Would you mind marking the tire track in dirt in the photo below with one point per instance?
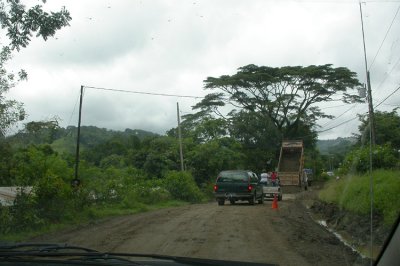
(286, 236)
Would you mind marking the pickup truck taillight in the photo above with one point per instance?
(250, 188)
(215, 188)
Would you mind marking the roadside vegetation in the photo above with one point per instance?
(134, 170)
(53, 203)
(352, 193)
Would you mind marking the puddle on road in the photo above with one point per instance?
(341, 238)
(288, 196)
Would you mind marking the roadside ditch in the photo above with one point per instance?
(350, 228)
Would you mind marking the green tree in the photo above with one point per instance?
(201, 127)
(259, 139)
(206, 160)
(162, 155)
(31, 164)
(284, 95)
(387, 127)
(19, 23)
(383, 157)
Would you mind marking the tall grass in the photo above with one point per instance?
(352, 193)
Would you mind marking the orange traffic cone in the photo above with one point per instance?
(275, 202)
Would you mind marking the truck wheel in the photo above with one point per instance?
(221, 202)
(261, 200)
(253, 199)
(232, 201)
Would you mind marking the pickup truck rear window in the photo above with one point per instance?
(232, 177)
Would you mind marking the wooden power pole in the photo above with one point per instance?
(180, 137)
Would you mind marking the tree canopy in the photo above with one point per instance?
(287, 95)
(387, 127)
(19, 23)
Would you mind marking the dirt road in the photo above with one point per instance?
(286, 236)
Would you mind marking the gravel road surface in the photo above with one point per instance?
(285, 236)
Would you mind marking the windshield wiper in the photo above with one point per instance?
(41, 247)
(58, 254)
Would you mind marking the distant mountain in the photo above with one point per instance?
(64, 139)
(339, 145)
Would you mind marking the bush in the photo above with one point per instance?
(5, 220)
(23, 213)
(53, 198)
(208, 189)
(146, 192)
(182, 186)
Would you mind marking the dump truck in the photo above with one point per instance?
(290, 165)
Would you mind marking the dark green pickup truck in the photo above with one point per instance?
(234, 185)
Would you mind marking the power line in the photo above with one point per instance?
(334, 106)
(395, 105)
(338, 125)
(147, 93)
(387, 32)
(387, 74)
(73, 111)
(354, 105)
(387, 97)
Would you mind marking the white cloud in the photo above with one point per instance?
(172, 46)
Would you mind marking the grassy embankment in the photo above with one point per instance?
(90, 214)
(352, 193)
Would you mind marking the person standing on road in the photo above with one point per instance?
(273, 178)
(264, 177)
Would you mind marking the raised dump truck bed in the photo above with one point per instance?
(290, 166)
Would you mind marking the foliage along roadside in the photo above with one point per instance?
(352, 193)
(54, 202)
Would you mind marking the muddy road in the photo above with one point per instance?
(284, 236)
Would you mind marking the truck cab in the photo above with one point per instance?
(235, 185)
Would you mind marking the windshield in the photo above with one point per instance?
(255, 131)
(233, 177)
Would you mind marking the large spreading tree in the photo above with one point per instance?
(285, 96)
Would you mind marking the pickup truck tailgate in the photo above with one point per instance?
(270, 190)
(232, 187)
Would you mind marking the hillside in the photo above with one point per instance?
(335, 146)
(63, 140)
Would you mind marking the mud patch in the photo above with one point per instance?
(353, 228)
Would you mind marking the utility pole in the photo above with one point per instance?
(369, 93)
(179, 136)
(76, 181)
(371, 143)
(370, 110)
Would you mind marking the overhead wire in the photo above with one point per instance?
(395, 105)
(387, 74)
(146, 93)
(334, 106)
(73, 110)
(384, 39)
(387, 97)
(338, 125)
(354, 105)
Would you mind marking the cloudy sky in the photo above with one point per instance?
(171, 46)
